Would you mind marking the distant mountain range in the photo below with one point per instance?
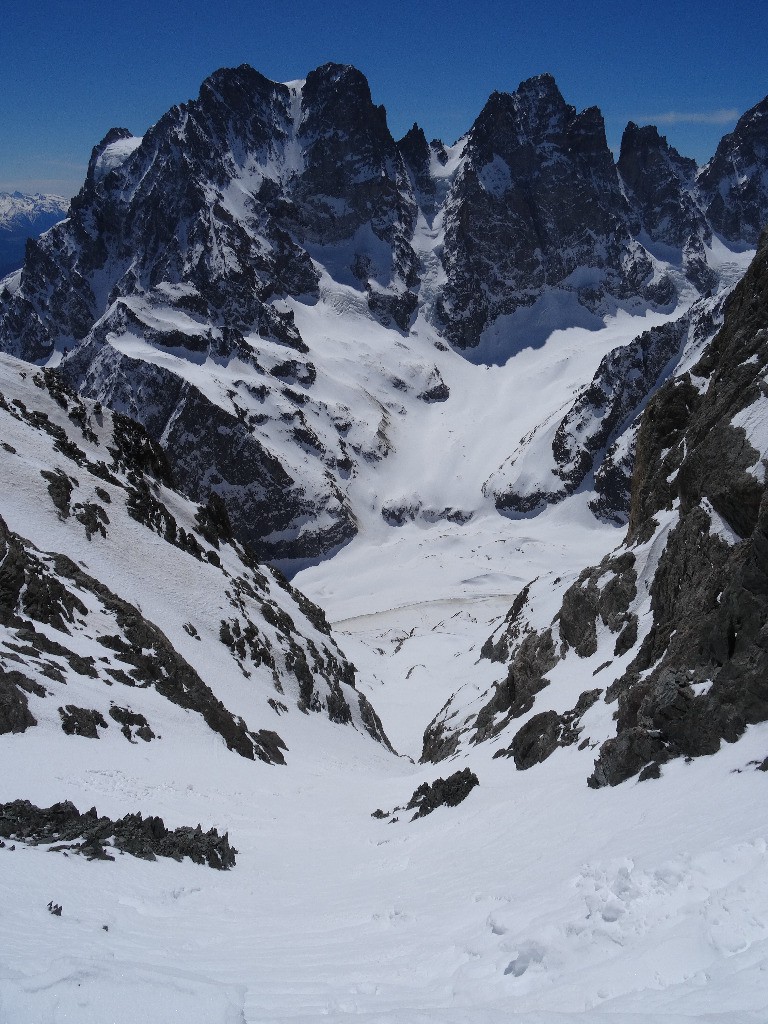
(22, 217)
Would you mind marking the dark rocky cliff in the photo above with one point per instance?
(537, 204)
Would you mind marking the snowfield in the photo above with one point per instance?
(537, 899)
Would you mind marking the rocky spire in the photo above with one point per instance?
(734, 184)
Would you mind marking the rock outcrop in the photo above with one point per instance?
(63, 828)
(699, 675)
(78, 653)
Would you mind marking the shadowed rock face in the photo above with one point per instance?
(661, 187)
(417, 155)
(734, 184)
(537, 199)
(597, 432)
(660, 180)
(211, 216)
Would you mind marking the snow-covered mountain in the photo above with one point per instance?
(248, 230)
(497, 408)
(25, 216)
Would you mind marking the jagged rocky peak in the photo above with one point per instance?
(661, 188)
(734, 184)
(515, 126)
(538, 204)
(536, 110)
(354, 188)
(241, 91)
(339, 95)
(417, 154)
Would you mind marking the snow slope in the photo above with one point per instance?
(536, 899)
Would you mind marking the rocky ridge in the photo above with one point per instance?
(678, 611)
(594, 441)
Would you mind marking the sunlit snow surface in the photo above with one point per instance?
(536, 900)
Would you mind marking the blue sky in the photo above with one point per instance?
(71, 69)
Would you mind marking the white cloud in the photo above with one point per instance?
(726, 115)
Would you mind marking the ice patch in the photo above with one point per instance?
(495, 177)
(114, 155)
(718, 526)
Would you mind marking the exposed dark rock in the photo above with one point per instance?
(93, 517)
(661, 188)
(416, 152)
(498, 650)
(372, 722)
(538, 199)
(81, 721)
(28, 588)
(592, 596)
(60, 488)
(734, 184)
(613, 480)
(439, 741)
(31, 589)
(437, 390)
(536, 740)
(448, 792)
(700, 674)
(607, 408)
(350, 155)
(545, 732)
(133, 724)
(514, 695)
(621, 758)
(651, 771)
(205, 442)
(600, 594)
(15, 715)
(133, 450)
(147, 838)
